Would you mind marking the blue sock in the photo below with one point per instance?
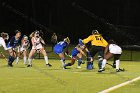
(11, 59)
(79, 61)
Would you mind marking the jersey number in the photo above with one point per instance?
(98, 37)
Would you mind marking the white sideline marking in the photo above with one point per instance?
(119, 85)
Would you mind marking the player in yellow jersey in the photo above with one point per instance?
(98, 44)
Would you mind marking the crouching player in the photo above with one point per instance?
(23, 49)
(77, 52)
(112, 50)
(60, 49)
(14, 43)
(37, 42)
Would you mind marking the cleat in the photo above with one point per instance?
(114, 65)
(100, 70)
(103, 69)
(48, 65)
(78, 67)
(64, 67)
(118, 70)
(29, 65)
(10, 65)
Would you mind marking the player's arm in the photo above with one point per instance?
(81, 51)
(4, 45)
(32, 40)
(42, 41)
(90, 38)
(105, 43)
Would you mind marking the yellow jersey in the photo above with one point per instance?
(96, 40)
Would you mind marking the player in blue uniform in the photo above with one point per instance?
(77, 52)
(60, 49)
(14, 42)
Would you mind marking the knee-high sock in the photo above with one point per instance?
(30, 61)
(117, 64)
(24, 59)
(79, 61)
(100, 62)
(17, 60)
(46, 59)
(104, 63)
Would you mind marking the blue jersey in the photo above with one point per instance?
(59, 47)
(14, 42)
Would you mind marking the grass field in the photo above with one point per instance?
(40, 79)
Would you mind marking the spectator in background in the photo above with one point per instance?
(54, 40)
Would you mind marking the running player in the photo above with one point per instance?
(112, 50)
(23, 49)
(14, 43)
(77, 52)
(37, 42)
(60, 49)
(98, 44)
(4, 36)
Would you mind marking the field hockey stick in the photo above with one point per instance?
(121, 69)
(3, 56)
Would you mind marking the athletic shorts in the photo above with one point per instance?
(22, 49)
(97, 49)
(37, 47)
(74, 52)
(57, 50)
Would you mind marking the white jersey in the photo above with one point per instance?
(2, 43)
(115, 49)
(37, 43)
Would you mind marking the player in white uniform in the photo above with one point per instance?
(23, 48)
(37, 42)
(112, 50)
(4, 36)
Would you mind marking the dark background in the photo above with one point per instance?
(115, 19)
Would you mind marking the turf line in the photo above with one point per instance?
(120, 85)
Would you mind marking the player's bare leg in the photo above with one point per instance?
(106, 57)
(25, 56)
(45, 57)
(30, 57)
(70, 63)
(17, 58)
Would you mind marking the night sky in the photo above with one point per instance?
(115, 19)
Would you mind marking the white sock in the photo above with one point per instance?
(17, 59)
(63, 62)
(46, 59)
(25, 58)
(104, 63)
(117, 64)
(30, 61)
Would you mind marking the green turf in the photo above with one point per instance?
(40, 79)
